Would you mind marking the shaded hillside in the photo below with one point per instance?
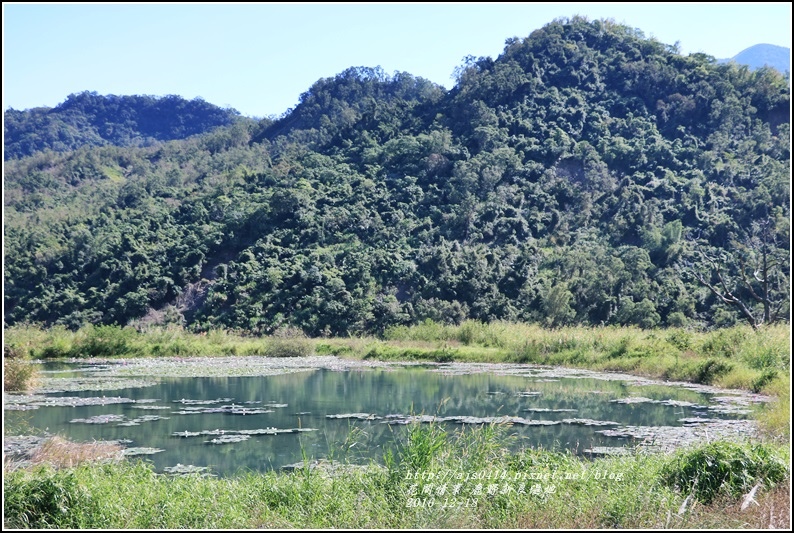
(587, 175)
(89, 119)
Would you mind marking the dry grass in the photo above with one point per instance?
(771, 510)
(62, 453)
(19, 375)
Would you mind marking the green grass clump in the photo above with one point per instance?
(46, 498)
(723, 468)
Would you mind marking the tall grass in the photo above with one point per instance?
(114, 341)
(738, 357)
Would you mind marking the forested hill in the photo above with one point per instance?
(587, 175)
(89, 119)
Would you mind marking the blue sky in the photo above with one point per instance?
(259, 58)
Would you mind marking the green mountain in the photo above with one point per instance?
(587, 175)
(89, 119)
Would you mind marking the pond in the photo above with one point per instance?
(261, 414)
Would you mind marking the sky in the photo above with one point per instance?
(259, 58)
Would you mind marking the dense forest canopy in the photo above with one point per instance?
(588, 175)
(89, 119)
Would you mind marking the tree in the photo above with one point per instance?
(749, 275)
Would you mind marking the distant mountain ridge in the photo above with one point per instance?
(88, 118)
(759, 55)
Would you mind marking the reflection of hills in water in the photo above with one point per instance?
(269, 421)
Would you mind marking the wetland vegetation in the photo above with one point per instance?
(400, 485)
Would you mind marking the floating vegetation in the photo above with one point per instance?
(528, 394)
(99, 419)
(545, 410)
(669, 438)
(183, 470)
(427, 419)
(128, 452)
(145, 418)
(224, 409)
(121, 419)
(72, 384)
(736, 405)
(359, 416)
(185, 434)
(697, 420)
(499, 420)
(326, 466)
(38, 400)
(588, 422)
(408, 419)
(632, 400)
(228, 439)
(245, 432)
(188, 367)
(203, 402)
(245, 411)
(20, 407)
(605, 451)
(639, 399)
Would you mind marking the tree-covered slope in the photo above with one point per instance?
(89, 119)
(587, 175)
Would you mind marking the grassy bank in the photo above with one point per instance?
(738, 357)
(430, 480)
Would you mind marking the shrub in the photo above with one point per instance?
(18, 373)
(710, 369)
(106, 341)
(723, 467)
(288, 342)
(45, 498)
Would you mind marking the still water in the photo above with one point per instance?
(224, 406)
